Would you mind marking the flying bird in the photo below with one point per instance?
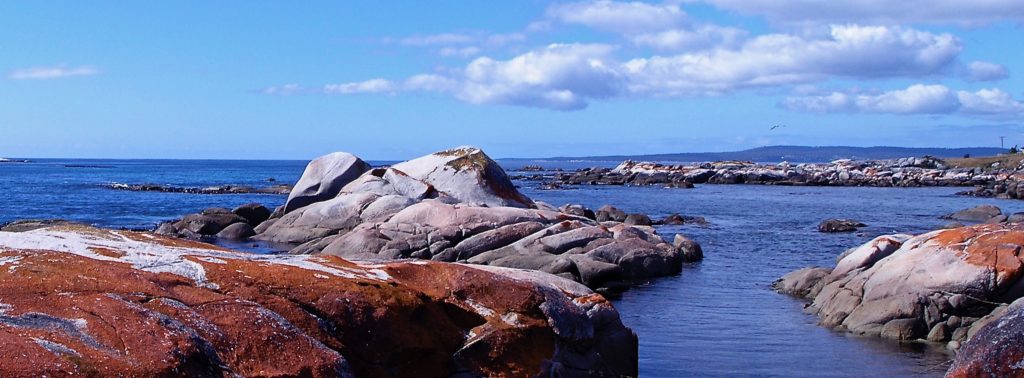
(777, 126)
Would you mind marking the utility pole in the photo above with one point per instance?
(1001, 139)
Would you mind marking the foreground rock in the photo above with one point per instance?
(459, 205)
(941, 286)
(221, 189)
(996, 350)
(76, 300)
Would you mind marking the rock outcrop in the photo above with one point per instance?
(839, 225)
(907, 172)
(938, 286)
(76, 300)
(459, 205)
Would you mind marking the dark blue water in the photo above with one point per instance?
(718, 318)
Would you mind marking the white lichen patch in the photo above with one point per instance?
(511, 319)
(56, 348)
(479, 308)
(152, 256)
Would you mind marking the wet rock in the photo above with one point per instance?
(1015, 218)
(209, 223)
(673, 219)
(975, 214)
(690, 250)
(610, 213)
(185, 308)
(236, 231)
(839, 225)
(323, 179)
(637, 220)
(253, 213)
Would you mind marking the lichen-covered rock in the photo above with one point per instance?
(459, 206)
(76, 300)
(902, 287)
(323, 178)
(996, 349)
(466, 174)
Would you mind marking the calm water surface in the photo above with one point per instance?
(718, 318)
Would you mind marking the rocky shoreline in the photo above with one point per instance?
(908, 172)
(220, 189)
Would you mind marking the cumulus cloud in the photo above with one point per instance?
(620, 17)
(569, 76)
(984, 71)
(777, 59)
(916, 99)
(879, 11)
(52, 72)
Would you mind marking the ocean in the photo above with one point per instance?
(719, 317)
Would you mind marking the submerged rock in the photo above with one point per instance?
(85, 301)
(903, 287)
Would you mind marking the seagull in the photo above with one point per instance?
(777, 126)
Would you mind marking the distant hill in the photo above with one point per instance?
(801, 154)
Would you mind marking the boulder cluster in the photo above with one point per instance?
(906, 172)
(237, 224)
(942, 286)
(456, 205)
(81, 301)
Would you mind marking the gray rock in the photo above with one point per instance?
(323, 179)
(975, 214)
(1015, 218)
(253, 213)
(691, 251)
(610, 213)
(839, 225)
(637, 220)
(207, 224)
(237, 231)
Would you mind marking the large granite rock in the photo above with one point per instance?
(458, 205)
(466, 174)
(323, 178)
(936, 285)
(76, 300)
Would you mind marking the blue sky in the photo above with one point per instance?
(275, 80)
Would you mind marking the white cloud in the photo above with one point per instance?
(699, 37)
(569, 76)
(916, 99)
(973, 12)
(283, 90)
(53, 72)
(985, 71)
(368, 86)
(444, 39)
(463, 52)
(776, 59)
(990, 101)
(620, 17)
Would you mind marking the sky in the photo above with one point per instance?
(395, 80)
